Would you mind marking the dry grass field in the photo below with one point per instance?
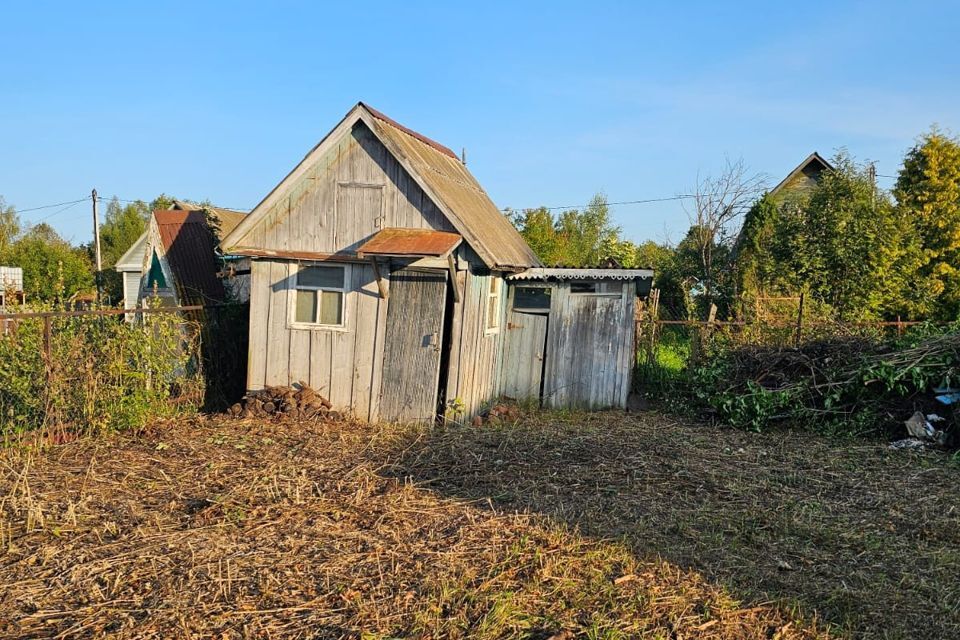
(559, 526)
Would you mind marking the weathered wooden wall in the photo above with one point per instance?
(589, 349)
(476, 354)
(354, 190)
(342, 364)
(524, 352)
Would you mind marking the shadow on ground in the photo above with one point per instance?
(857, 535)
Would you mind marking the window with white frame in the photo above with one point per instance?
(318, 295)
(493, 304)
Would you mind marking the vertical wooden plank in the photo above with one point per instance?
(367, 296)
(278, 335)
(259, 313)
(320, 347)
(376, 382)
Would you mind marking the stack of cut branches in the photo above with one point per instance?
(298, 401)
(878, 382)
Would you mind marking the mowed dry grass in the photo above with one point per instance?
(862, 537)
(211, 528)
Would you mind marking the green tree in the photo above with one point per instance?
(10, 227)
(846, 244)
(574, 238)
(928, 192)
(52, 269)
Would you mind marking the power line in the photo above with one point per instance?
(684, 196)
(51, 206)
(59, 211)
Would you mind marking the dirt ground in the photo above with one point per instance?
(559, 526)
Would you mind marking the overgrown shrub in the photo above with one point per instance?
(96, 373)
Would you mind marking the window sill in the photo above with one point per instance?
(306, 326)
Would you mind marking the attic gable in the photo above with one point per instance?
(421, 185)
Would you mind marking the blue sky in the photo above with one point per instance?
(553, 101)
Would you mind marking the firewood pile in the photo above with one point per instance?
(298, 402)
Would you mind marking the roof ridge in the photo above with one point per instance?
(379, 115)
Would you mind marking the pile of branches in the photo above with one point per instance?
(778, 368)
(869, 385)
(298, 402)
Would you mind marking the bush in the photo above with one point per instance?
(91, 374)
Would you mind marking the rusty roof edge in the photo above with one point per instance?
(419, 136)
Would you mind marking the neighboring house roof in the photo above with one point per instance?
(189, 246)
(811, 167)
(225, 220)
(132, 259)
(574, 273)
(410, 242)
(437, 171)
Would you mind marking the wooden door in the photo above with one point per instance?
(524, 353)
(412, 345)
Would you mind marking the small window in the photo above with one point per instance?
(531, 299)
(318, 296)
(493, 304)
(596, 288)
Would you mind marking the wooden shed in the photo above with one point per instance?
(570, 335)
(378, 275)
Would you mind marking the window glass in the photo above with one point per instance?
(306, 310)
(331, 307)
(320, 277)
(583, 287)
(319, 295)
(155, 278)
(531, 298)
(493, 303)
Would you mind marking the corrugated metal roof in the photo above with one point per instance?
(189, 246)
(460, 196)
(572, 273)
(410, 242)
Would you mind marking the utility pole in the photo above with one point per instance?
(96, 247)
(872, 173)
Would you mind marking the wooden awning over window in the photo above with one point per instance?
(410, 243)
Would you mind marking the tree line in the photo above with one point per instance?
(855, 251)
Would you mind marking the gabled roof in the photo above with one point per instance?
(132, 259)
(189, 246)
(437, 171)
(814, 163)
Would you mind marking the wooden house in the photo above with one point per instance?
(180, 263)
(379, 269)
(803, 179)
